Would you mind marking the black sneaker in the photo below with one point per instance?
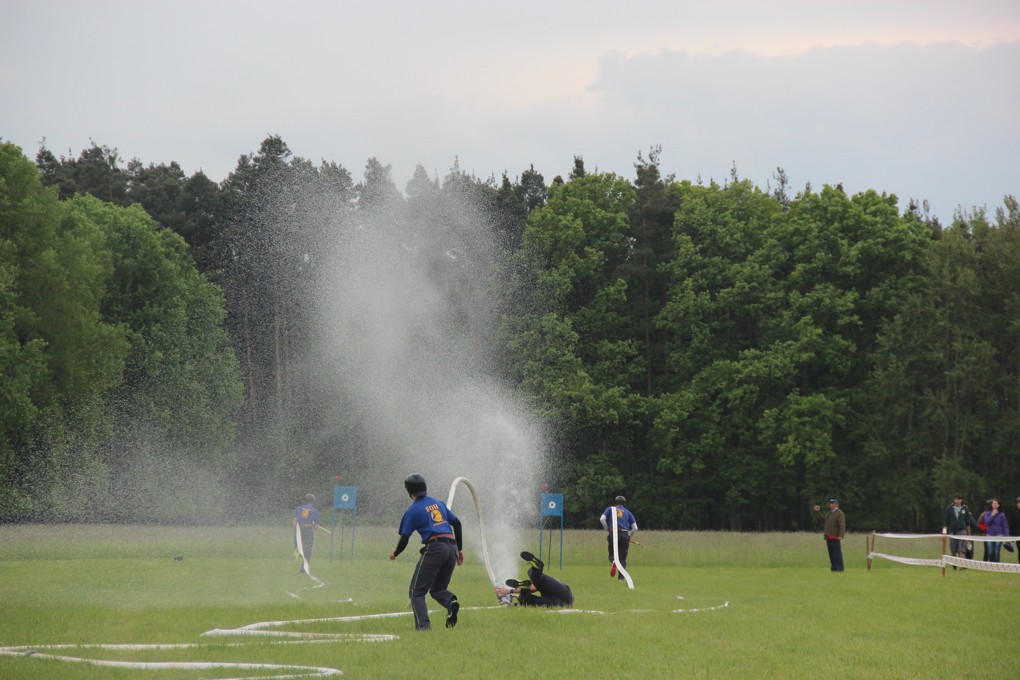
(514, 583)
(532, 560)
(451, 614)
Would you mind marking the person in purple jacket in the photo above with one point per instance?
(997, 525)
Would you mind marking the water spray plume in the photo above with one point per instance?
(408, 328)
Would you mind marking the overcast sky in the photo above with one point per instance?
(913, 97)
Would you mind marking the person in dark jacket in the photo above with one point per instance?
(957, 520)
(1013, 516)
(834, 530)
(540, 590)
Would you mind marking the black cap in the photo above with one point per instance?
(620, 500)
(834, 500)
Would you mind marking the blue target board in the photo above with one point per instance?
(345, 497)
(552, 505)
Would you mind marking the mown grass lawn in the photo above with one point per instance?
(756, 606)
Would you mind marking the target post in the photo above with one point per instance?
(552, 507)
(345, 500)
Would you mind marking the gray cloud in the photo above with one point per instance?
(502, 90)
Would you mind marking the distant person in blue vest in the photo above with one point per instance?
(440, 532)
(834, 530)
(540, 590)
(306, 517)
(626, 527)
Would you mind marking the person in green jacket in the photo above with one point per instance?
(958, 521)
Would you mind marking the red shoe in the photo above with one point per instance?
(612, 570)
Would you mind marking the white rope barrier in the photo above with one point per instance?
(976, 539)
(980, 565)
(908, 560)
(945, 559)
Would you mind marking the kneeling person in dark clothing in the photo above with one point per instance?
(540, 590)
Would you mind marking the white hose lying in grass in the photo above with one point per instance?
(290, 671)
(252, 630)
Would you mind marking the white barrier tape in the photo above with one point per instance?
(980, 565)
(954, 561)
(979, 539)
(907, 560)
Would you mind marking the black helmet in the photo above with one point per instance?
(415, 484)
(619, 500)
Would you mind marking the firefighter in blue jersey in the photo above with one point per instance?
(440, 532)
(307, 518)
(626, 527)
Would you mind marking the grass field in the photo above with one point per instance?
(788, 616)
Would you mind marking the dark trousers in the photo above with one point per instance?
(624, 547)
(432, 575)
(835, 553)
(551, 592)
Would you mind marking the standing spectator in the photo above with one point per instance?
(306, 518)
(834, 530)
(626, 527)
(958, 520)
(1013, 517)
(997, 525)
(440, 532)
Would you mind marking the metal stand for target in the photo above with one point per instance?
(345, 498)
(552, 506)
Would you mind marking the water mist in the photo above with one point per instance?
(408, 320)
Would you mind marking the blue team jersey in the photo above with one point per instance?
(624, 517)
(428, 517)
(306, 515)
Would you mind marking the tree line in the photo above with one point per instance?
(725, 355)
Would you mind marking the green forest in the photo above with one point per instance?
(726, 354)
